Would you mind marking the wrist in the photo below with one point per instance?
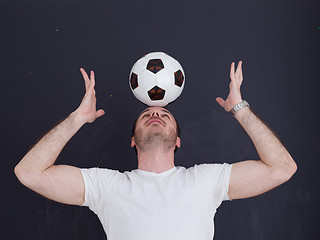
(78, 118)
(242, 113)
(238, 107)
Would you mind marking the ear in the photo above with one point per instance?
(132, 142)
(178, 142)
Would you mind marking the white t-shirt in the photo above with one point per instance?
(178, 204)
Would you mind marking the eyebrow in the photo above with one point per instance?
(163, 109)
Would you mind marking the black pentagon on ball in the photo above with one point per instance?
(178, 77)
(134, 81)
(155, 65)
(156, 93)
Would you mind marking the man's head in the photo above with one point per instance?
(155, 128)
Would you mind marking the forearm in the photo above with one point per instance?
(46, 151)
(268, 146)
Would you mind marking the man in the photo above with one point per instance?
(158, 200)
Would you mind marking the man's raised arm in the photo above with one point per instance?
(37, 171)
(253, 177)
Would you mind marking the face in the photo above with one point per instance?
(155, 128)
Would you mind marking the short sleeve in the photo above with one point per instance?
(97, 182)
(219, 174)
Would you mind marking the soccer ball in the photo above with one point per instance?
(157, 79)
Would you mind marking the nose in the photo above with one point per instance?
(155, 113)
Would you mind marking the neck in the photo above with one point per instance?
(155, 161)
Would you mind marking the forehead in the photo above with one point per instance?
(160, 109)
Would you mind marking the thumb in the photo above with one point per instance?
(220, 101)
(100, 113)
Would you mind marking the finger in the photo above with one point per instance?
(84, 74)
(93, 82)
(240, 74)
(85, 77)
(232, 71)
(239, 69)
(92, 76)
(220, 101)
(100, 113)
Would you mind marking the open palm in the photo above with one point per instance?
(87, 108)
(234, 96)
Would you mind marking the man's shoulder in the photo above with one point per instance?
(208, 166)
(100, 172)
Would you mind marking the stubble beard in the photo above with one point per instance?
(155, 140)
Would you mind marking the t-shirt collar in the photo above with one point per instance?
(147, 173)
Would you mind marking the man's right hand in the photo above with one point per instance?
(87, 110)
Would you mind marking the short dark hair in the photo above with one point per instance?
(134, 129)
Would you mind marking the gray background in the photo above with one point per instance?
(44, 43)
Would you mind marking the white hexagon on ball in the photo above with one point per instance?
(165, 78)
(146, 80)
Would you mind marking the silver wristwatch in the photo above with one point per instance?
(237, 107)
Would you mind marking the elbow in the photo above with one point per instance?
(289, 170)
(293, 168)
(23, 175)
(18, 171)
(282, 173)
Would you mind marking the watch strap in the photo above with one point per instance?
(237, 107)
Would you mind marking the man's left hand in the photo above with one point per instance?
(234, 93)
